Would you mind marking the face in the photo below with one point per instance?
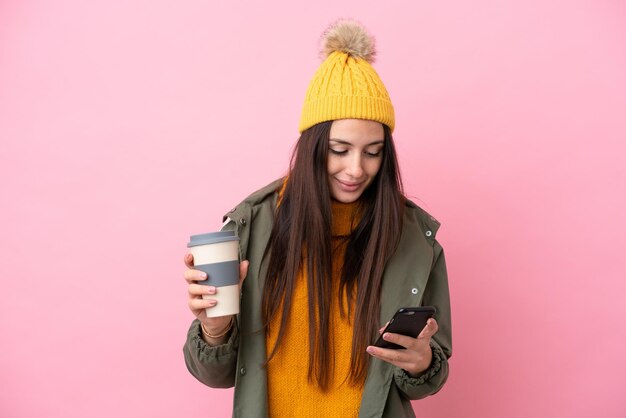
(355, 151)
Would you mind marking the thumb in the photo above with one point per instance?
(243, 271)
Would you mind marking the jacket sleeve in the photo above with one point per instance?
(436, 294)
(213, 366)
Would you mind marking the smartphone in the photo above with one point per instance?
(406, 321)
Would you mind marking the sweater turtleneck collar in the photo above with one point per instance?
(345, 216)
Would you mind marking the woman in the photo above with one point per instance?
(331, 252)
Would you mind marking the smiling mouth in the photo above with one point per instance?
(349, 185)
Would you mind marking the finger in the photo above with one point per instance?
(380, 331)
(402, 340)
(189, 260)
(199, 290)
(429, 330)
(198, 304)
(243, 271)
(389, 355)
(194, 275)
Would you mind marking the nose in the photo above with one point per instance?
(354, 166)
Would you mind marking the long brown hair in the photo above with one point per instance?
(303, 225)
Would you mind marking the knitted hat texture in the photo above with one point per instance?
(346, 86)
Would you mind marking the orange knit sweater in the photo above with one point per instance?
(290, 394)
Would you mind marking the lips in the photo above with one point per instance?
(349, 187)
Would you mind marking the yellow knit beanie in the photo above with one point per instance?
(346, 86)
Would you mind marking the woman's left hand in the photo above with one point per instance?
(416, 355)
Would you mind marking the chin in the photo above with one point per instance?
(345, 197)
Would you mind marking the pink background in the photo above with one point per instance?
(126, 126)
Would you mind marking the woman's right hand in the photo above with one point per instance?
(197, 305)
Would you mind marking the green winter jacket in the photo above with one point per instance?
(414, 276)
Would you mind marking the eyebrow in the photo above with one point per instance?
(341, 141)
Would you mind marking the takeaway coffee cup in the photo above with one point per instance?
(217, 254)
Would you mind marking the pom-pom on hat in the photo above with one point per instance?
(346, 86)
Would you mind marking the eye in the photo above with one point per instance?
(373, 154)
(337, 152)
